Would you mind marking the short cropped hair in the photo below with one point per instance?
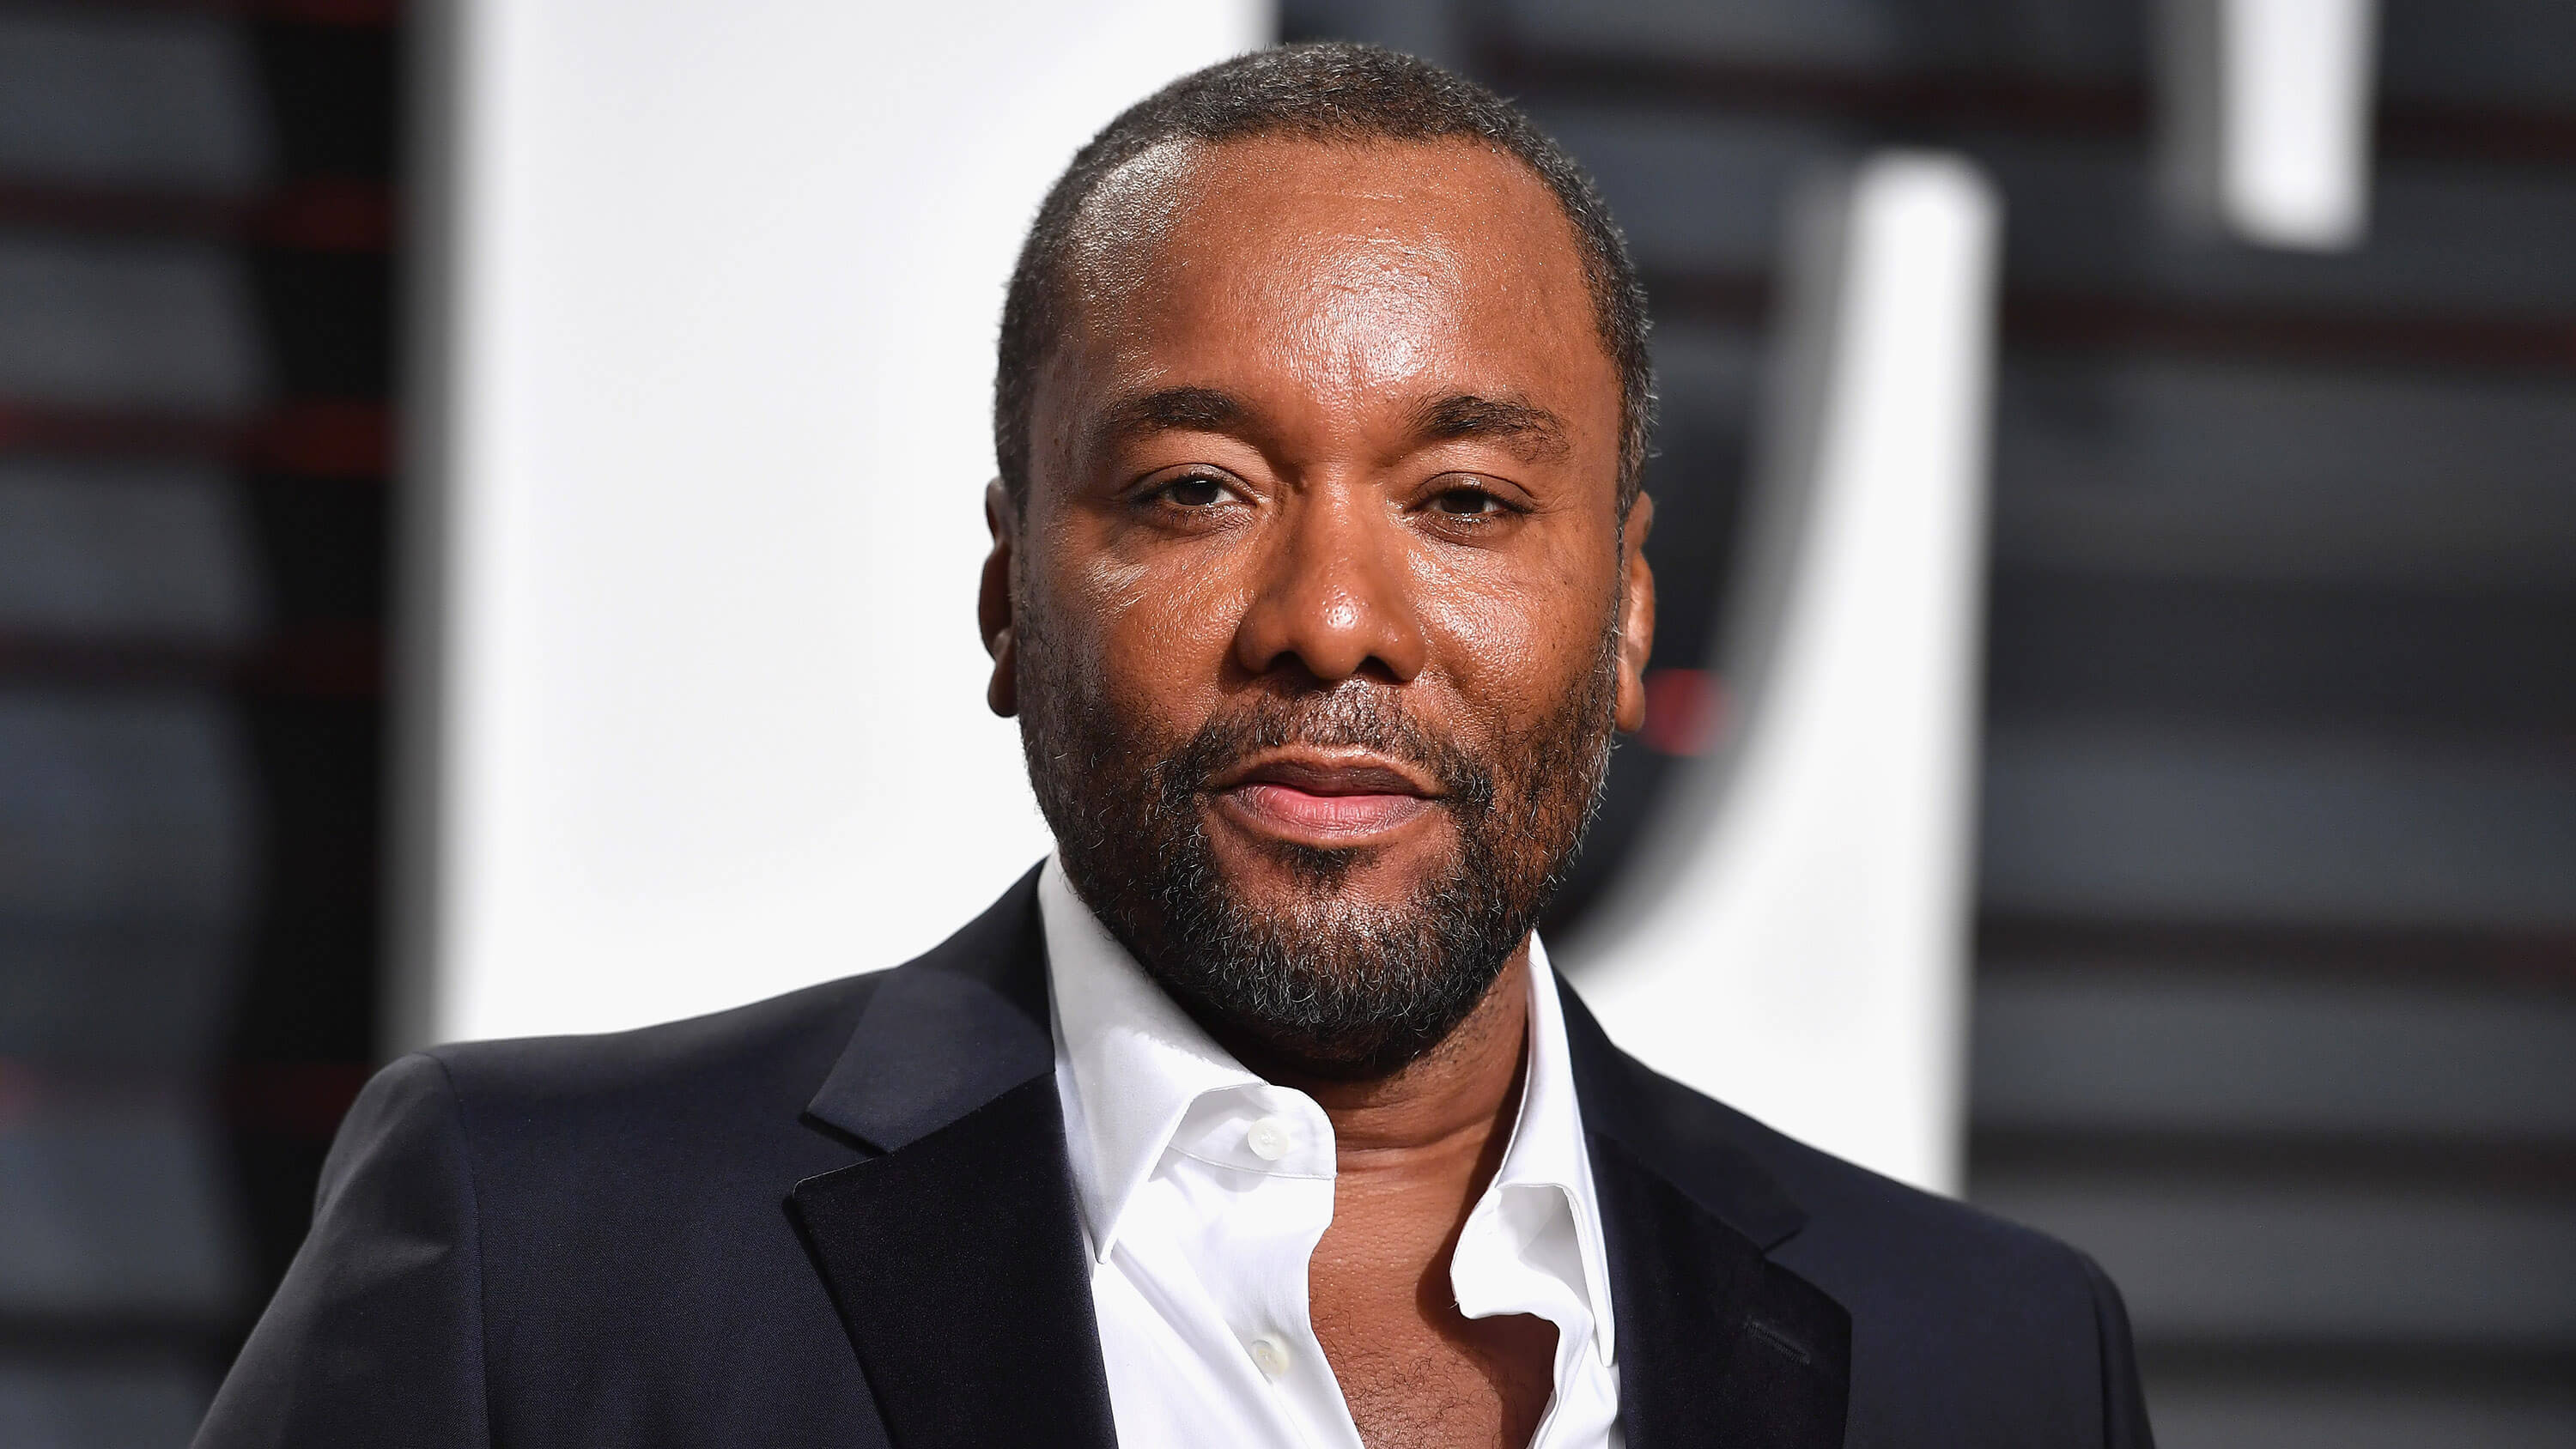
(1327, 92)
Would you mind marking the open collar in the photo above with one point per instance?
(1721, 1344)
(1547, 1149)
(1137, 1064)
(954, 1254)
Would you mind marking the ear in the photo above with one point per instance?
(1636, 613)
(995, 609)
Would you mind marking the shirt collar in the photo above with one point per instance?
(1130, 1064)
(1134, 1061)
(1547, 1150)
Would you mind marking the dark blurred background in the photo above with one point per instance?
(2275, 1006)
(2276, 947)
(197, 211)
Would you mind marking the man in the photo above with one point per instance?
(1256, 1115)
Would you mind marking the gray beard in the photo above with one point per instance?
(1329, 986)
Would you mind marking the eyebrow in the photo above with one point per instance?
(1530, 431)
(1172, 410)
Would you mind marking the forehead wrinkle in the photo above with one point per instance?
(1119, 237)
(1333, 287)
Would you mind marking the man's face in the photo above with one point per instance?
(1319, 609)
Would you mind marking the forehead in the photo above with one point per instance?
(1343, 272)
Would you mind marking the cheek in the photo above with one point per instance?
(1516, 634)
(1150, 636)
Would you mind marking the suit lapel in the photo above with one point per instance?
(955, 1257)
(955, 1254)
(958, 1268)
(1718, 1344)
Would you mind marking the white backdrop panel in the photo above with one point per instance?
(1793, 936)
(701, 443)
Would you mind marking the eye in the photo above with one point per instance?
(1463, 501)
(1194, 490)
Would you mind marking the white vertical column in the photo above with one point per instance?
(2267, 111)
(1792, 936)
(699, 416)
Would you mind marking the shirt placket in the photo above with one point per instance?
(1257, 1270)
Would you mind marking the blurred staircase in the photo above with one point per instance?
(2276, 996)
(196, 222)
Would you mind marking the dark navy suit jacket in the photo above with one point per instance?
(844, 1218)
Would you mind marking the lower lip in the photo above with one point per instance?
(1337, 819)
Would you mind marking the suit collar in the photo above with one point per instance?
(1675, 1133)
(947, 1032)
(958, 1027)
(1135, 1068)
(1721, 1345)
(955, 1257)
(956, 1260)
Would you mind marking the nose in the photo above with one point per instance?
(1333, 598)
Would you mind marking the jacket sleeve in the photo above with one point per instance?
(2124, 1404)
(376, 1335)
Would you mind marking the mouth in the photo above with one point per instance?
(1330, 799)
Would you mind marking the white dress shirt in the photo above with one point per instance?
(1204, 1190)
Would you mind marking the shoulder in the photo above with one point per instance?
(1959, 1317)
(766, 1059)
(714, 1092)
(676, 1142)
(1868, 1230)
(1810, 1205)
(561, 1110)
(1856, 1210)
(722, 1050)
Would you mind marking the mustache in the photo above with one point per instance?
(1349, 717)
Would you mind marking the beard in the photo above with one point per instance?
(1331, 985)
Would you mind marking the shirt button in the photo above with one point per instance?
(1268, 1139)
(1269, 1355)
